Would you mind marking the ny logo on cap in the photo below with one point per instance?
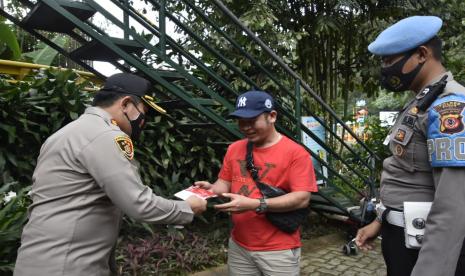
(268, 103)
(241, 102)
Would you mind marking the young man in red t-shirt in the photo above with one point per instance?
(257, 246)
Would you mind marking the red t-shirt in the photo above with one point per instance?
(286, 165)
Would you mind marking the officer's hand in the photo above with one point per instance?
(198, 205)
(238, 203)
(366, 235)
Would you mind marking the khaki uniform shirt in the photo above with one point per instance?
(408, 176)
(85, 178)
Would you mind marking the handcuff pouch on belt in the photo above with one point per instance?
(289, 221)
(415, 214)
(412, 219)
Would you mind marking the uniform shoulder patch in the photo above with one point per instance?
(124, 143)
(446, 135)
(450, 116)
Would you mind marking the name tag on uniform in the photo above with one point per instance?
(386, 140)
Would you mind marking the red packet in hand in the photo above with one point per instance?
(194, 190)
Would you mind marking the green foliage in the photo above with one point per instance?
(13, 214)
(9, 46)
(389, 101)
(452, 13)
(324, 41)
(376, 135)
(171, 251)
(172, 160)
(45, 54)
(30, 112)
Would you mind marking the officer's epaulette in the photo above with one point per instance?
(431, 93)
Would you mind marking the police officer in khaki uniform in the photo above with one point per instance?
(86, 177)
(427, 143)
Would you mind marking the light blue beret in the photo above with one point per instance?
(405, 35)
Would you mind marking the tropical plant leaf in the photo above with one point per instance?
(8, 37)
(46, 54)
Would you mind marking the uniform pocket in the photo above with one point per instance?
(420, 157)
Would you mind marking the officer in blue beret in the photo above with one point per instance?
(422, 197)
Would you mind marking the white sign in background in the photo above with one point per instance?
(316, 128)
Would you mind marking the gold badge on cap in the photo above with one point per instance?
(125, 145)
(150, 101)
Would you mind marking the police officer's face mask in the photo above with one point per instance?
(136, 125)
(392, 77)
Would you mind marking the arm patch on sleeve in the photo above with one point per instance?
(446, 135)
(124, 143)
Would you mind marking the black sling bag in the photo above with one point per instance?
(289, 221)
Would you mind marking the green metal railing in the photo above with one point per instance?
(200, 84)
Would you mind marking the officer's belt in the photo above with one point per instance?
(395, 218)
(390, 216)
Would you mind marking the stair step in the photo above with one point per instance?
(94, 50)
(356, 214)
(344, 202)
(335, 195)
(42, 17)
(328, 209)
(328, 190)
(177, 104)
(207, 102)
(319, 199)
(168, 75)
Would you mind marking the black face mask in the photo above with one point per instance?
(136, 127)
(393, 79)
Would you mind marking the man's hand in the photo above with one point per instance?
(198, 205)
(204, 185)
(366, 235)
(219, 187)
(238, 203)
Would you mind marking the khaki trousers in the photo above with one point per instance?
(242, 262)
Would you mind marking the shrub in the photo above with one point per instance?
(376, 135)
(172, 251)
(13, 214)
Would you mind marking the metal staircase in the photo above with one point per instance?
(197, 97)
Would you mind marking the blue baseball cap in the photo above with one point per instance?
(252, 103)
(405, 35)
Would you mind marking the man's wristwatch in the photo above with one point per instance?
(262, 207)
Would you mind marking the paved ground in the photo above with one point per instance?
(323, 257)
